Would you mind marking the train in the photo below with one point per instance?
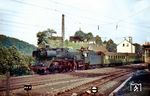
(51, 60)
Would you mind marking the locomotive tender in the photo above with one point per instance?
(63, 60)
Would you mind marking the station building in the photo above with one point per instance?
(126, 46)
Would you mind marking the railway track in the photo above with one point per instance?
(85, 87)
(65, 84)
(37, 80)
(17, 83)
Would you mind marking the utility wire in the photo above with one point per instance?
(121, 20)
(4, 20)
(47, 8)
(56, 10)
(134, 14)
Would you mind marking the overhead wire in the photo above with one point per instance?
(121, 20)
(48, 8)
(10, 21)
(134, 14)
(62, 12)
(78, 9)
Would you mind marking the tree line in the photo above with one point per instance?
(88, 37)
(21, 46)
(110, 44)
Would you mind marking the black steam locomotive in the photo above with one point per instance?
(57, 60)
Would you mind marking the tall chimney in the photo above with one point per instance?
(63, 29)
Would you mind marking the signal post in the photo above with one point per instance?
(147, 54)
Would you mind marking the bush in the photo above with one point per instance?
(15, 62)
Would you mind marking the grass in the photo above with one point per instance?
(2, 77)
(69, 44)
(76, 45)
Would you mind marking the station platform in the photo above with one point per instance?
(136, 85)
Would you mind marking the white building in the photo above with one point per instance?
(126, 46)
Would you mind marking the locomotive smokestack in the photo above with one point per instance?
(63, 29)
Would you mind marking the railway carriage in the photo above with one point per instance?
(93, 59)
(115, 59)
(112, 59)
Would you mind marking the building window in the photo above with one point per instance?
(127, 45)
(123, 45)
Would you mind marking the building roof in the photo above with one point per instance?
(125, 40)
(55, 38)
(110, 53)
(98, 48)
(75, 38)
(92, 39)
(146, 45)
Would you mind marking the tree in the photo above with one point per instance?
(89, 36)
(105, 42)
(111, 46)
(80, 34)
(98, 40)
(138, 49)
(66, 42)
(43, 36)
(4, 56)
(50, 32)
(12, 60)
(12, 63)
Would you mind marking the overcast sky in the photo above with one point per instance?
(116, 18)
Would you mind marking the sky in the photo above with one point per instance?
(116, 19)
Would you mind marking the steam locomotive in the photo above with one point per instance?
(50, 60)
(57, 60)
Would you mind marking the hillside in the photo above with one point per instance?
(22, 46)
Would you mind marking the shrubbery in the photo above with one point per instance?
(13, 61)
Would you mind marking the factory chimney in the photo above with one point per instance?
(63, 29)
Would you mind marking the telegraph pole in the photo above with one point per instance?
(63, 29)
(7, 83)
